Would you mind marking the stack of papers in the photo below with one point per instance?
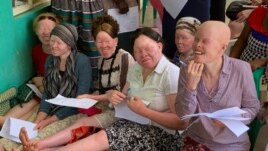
(12, 126)
(84, 103)
(123, 111)
(230, 117)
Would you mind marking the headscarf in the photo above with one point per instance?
(189, 23)
(66, 83)
(67, 33)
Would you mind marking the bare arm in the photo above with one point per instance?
(166, 119)
(241, 43)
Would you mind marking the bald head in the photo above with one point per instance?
(218, 30)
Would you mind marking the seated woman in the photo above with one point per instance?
(42, 26)
(153, 79)
(112, 68)
(184, 39)
(113, 65)
(214, 81)
(67, 72)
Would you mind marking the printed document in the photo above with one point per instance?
(123, 111)
(12, 126)
(84, 103)
(230, 117)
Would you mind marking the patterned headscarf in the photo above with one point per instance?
(54, 82)
(67, 33)
(189, 23)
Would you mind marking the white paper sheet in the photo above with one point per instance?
(230, 117)
(128, 22)
(123, 111)
(35, 90)
(84, 103)
(174, 7)
(12, 126)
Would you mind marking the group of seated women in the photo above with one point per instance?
(206, 81)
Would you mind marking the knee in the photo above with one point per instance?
(102, 139)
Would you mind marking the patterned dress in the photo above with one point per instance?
(109, 78)
(81, 13)
(257, 44)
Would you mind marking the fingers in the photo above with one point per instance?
(200, 69)
(81, 96)
(43, 124)
(193, 74)
(240, 18)
(115, 96)
(37, 126)
(195, 68)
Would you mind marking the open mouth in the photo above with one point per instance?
(198, 53)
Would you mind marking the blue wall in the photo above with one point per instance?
(16, 40)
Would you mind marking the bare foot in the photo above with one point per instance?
(28, 145)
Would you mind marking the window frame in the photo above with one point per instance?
(17, 10)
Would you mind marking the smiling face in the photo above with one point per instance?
(210, 42)
(147, 52)
(43, 30)
(106, 44)
(58, 47)
(184, 40)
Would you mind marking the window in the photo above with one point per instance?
(20, 6)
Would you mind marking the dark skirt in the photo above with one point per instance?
(129, 136)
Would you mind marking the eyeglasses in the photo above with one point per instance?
(47, 17)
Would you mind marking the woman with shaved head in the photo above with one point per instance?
(213, 81)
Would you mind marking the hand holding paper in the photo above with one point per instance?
(230, 117)
(123, 111)
(84, 103)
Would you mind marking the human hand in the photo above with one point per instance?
(115, 97)
(193, 74)
(136, 105)
(41, 89)
(40, 124)
(243, 15)
(256, 63)
(43, 123)
(82, 96)
(38, 81)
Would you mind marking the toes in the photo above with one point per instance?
(23, 136)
